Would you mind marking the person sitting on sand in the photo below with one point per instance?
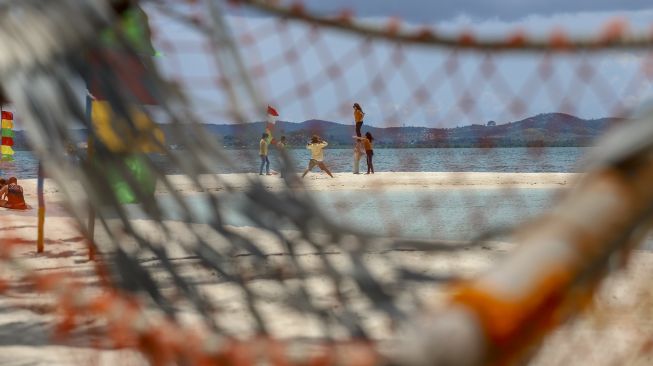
(317, 146)
(3, 183)
(11, 195)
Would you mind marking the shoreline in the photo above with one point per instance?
(319, 181)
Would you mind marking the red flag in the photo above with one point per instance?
(8, 141)
(273, 112)
(7, 115)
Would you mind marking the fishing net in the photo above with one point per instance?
(146, 136)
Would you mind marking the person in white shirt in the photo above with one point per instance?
(359, 151)
(317, 146)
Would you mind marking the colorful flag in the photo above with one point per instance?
(146, 138)
(131, 69)
(7, 133)
(272, 112)
(272, 120)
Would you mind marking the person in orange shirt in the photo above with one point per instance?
(369, 151)
(358, 118)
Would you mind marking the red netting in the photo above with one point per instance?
(473, 138)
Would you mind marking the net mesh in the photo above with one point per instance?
(206, 267)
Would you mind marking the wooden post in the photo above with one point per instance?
(41, 213)
(90, 150)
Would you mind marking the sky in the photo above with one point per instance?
(504, 10)
(308, 73)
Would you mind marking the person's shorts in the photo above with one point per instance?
(313, 163)
(17, 206)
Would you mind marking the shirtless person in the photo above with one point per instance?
(11, 195)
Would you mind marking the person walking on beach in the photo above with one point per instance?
(263, 153)
(317, 146)
(359, 151)
(358, 118)
(369, 151)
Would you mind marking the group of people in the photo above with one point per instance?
(11, 194)
(362, 146)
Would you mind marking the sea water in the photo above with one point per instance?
(519, 159)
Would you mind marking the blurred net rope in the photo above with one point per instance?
(199, 268)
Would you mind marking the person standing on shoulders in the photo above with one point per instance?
(317, 146)
(263, 153)
(358, 118)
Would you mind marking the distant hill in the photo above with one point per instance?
(549, 129)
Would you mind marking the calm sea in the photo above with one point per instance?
(554, 159)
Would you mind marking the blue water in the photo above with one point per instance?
(558, 159)
(23, 166)
(554, 159)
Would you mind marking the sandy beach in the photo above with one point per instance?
(318, 181)
(614, 330)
